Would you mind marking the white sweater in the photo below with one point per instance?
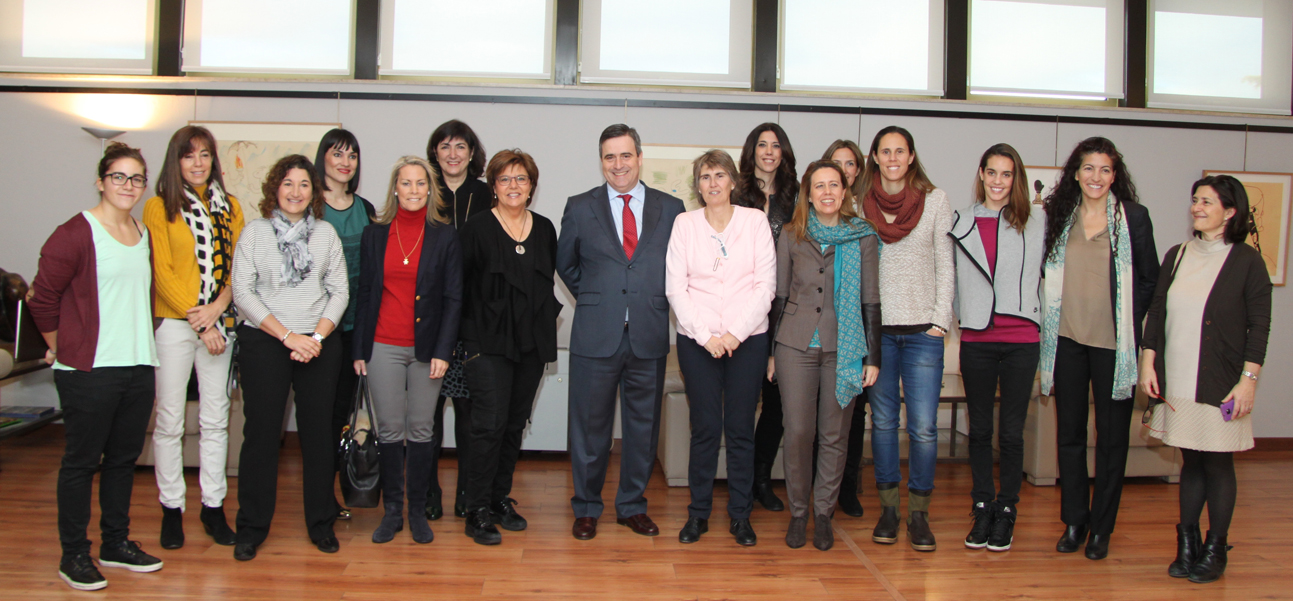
(917, 274)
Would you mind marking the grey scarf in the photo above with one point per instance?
(293, 242)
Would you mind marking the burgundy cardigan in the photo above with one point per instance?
(66, 292)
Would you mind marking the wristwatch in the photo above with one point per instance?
(317, 336)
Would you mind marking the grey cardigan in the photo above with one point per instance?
(1016, 288)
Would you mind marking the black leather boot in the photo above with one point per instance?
(886, 529)
(391, 461)
(419, 478)
(1187, 551)
(848, 499)
(918, 532)
(1212, 560)
(216, 526)
(763, 488)
(172, 527)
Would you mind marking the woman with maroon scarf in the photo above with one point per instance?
(917, 284)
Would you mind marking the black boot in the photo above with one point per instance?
(216, 526)
(391, 462)
(172, 527)
(419, 478)
(1212, 560)
(435, 510)
(918, 532)
(1187, 551)
(849, 503)
(763, 488)
(480, 527)
(886, 529)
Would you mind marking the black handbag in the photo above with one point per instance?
(360, 475)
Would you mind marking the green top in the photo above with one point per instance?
(350, 225)
(125, 282)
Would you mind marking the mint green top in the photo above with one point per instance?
(350, 225)
(125, 281)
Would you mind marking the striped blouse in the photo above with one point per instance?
(259, 292)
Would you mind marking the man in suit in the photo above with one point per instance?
(611, 255)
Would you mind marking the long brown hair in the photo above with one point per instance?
(858, 158)
(278, 173)
(436, 208)
(799, 223)
(171, 184)
(915, 173)
(1018, 207)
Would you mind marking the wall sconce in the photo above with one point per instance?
(103, 135)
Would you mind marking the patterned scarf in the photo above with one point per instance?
(211, 236)
(908, 205)
(1124, 369)
(851, 344)
(293, 242)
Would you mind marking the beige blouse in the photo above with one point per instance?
(1086, 313)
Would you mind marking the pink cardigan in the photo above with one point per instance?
(735, 297)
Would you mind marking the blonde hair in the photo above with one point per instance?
(436, 208)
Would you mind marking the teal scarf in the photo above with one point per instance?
(851, 344)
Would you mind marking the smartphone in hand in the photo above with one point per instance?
(1228, 410)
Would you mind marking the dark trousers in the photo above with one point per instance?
(461, 436)
(1081, 370)
(268, 373)
(769, 430)
(345, 399)
(594, 382)
(502, 394)
(985, 366)
(105, 415)
(722, 394)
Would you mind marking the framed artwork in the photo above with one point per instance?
(668, 168)
(1268, 195)
(248, 150)
(1041, 181)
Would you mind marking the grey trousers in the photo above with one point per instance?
(807, 381)
(404, 395)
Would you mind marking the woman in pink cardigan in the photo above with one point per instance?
(720, 279)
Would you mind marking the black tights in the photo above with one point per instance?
(1208, 477)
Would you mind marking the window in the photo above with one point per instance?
(1047, 48)
(477, 38)
(1230, 56)
(77, 36)
(878, 46)
(667, 42)
(269, 36)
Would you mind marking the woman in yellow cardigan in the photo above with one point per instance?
(195, 226)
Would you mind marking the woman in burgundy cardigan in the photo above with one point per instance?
(100, 261)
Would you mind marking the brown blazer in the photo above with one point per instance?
(805, 300)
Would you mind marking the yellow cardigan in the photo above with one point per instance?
(175, 268)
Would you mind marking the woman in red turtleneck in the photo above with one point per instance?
(406, 325)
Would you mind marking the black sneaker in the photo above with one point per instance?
(1003, 529)
(503, 514)
(978, 536)
(128, 554)
(79, 573)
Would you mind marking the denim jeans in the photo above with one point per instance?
(916, 360)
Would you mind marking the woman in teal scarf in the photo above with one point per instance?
(826, 334)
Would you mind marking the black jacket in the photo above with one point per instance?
(500, 295)
(472, 198)
(1144, 263)
(438, 304)
(1236, 322)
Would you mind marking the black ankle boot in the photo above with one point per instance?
(848, 500)
(460, 504)
(763, 488)
(391, 461)
(216, 526)
(172, 527)
(480, 527)
(1187, 551)
(1212, 560)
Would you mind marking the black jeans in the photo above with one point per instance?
(769, 430)
(984, 367)
(105, 416)
(1081, 370)
(502, 397)
(268, 372)
(722, 395)
(461, 436)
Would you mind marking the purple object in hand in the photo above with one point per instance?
(1228, 410)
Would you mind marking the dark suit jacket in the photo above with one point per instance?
(438, 303)
(1236, 322)
(1144, 263)
(592, 263)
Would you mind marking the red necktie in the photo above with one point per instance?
(630, 227)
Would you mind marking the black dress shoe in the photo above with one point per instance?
(244, 551)
(460, 505)
(692, 530)
(504, 514)
(1071, 539)
(216, 526)
(766, 497)
(172, 528)
(435, 510)
(328, 544)
(743, 532)
(1097, 547)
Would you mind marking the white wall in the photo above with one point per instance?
(47, 163)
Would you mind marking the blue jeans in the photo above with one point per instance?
(916, 360)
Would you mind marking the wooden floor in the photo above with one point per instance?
(544, 562)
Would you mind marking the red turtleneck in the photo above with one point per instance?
(399, 280)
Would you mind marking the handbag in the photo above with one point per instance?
(360, 475)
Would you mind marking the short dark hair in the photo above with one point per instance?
(616, 131)
(454, 128)
(343, 140)
(117, 151)
(506, 158)
(278, 173)
(714, 159)
(1233, 196)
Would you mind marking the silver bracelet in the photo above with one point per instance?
(284, 338)
(1250, 375)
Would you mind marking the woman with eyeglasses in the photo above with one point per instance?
(92, 302)
(1205, 342)
(509, 332)
(195, 226)
(460, 161)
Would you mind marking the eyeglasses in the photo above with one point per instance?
(120, 179)
(506, 181)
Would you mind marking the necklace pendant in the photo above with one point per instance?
(406, 261)
(520, 250)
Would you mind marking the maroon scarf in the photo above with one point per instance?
(908, 205)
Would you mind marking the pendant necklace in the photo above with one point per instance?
(520, 248)
(400, 240)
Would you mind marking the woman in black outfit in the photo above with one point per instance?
(768, 183)
(457, 153)
(509, 332)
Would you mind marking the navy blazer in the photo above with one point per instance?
(592, 263)
(438, 292)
